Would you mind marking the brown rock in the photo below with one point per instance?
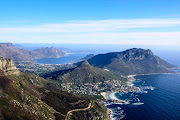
(7, 66)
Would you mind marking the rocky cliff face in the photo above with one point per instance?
(7, 66)
(136, 54)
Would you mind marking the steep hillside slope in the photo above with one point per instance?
(20, 99)
(132, 61)
(8, 50)
(26, 96)
(29, 97)
(164, 63)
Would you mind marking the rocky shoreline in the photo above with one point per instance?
(130, 79)
(104, 94)
(108, 117)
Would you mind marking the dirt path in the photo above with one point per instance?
(90, 105)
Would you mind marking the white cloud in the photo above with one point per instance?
(139, 38)
(96, 32)
(94, 26)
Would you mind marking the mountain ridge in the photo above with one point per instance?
(131, 61)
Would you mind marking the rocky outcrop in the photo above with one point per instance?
(7, 66)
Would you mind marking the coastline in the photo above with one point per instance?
(108, 112)
(108, 116)
(132, 76)
(130, 79)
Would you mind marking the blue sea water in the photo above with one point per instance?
(62, 60)
(158, 98)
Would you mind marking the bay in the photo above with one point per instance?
(62, 60)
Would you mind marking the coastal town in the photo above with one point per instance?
(40, 69)
(96, 88)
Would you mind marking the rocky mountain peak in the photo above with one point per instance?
(84, 64)
(137, 54)
(138, 51)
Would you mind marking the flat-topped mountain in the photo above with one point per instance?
(8, 50)
(84, 73)
(132, 61)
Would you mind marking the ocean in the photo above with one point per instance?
(62, 60)
(158, 98)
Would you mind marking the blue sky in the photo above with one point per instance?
(147, 22)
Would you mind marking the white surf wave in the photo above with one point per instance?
(137, 103)
(112, 96)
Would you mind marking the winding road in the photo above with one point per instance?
(69, 112)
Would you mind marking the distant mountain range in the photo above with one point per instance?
(8, 50)
(46, 52)
(111, 66)
(132, 61)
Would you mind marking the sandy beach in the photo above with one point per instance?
(104, 95)
(108, 112)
